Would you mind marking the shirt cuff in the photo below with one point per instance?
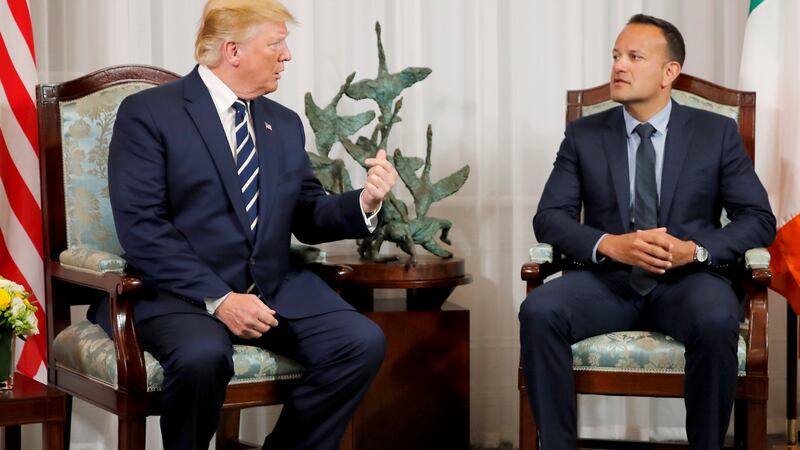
(213, 303)
(372, 220)
(594, 251)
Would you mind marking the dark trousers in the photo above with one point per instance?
(341, 351)
(699, 309)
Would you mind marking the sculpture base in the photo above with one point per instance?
(428, 283)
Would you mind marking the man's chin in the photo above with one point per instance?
(618, 96)
(270, 88)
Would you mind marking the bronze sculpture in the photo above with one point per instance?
(329, 127)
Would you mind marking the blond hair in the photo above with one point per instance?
(233, 20)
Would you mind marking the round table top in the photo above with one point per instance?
(428, 272)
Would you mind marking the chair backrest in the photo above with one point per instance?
(76, 119)
(687, 90)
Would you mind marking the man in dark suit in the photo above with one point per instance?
(208, 180)
(652, 177)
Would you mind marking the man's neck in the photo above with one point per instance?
(228, 77)
(644, 111)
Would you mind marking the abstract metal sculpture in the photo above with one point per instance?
(329, 128)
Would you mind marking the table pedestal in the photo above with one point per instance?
(420, 398)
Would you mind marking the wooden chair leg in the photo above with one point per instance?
(347, 439)
(53, 434)
(228, 428)
(528, 432)
(67, 422)
(12, 437)
(131, 433)
(740, 425)
(756, 425)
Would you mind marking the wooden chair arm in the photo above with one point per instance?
(756, 285)
(109, 282)
(534, 274)
(131, 372)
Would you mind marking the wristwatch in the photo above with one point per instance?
(700, 254)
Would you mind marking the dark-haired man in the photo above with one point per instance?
(652, 177)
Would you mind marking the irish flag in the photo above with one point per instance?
(771, 68)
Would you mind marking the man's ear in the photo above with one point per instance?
(671, 71)
(230, 52)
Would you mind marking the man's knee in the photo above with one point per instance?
(370, 344)
(540, 312)
(203, 363)
(715, 331)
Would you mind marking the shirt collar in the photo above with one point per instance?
(221, 94)
(660, 121)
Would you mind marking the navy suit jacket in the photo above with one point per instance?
(179, 212)
(705, 169)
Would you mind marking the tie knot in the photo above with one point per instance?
(645, 130)
(240, 106)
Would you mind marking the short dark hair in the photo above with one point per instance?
(675, 45)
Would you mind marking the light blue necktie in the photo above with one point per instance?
(246, 163)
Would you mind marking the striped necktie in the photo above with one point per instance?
(246, 163)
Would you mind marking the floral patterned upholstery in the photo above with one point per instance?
(682, 97)
(86, 126)
(86, 349)
(636, 351)
(92, 260)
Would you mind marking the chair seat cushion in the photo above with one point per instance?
(86, 349)
(636, 351)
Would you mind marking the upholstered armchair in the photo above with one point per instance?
(83, 264)
(649, 364)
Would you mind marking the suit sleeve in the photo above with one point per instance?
(746, 202)
(320, 217)
(138, 193)
(556, 220)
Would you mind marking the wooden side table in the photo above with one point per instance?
(420, 398)
(33, 402)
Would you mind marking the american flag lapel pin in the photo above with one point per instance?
(268, 126)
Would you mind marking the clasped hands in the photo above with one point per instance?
(653, 250)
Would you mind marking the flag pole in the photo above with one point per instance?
(791, 375)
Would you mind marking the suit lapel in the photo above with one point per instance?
(616, 148)
(270, 154)
(676, 148)
(202, 111)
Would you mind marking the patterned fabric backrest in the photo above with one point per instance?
(682, 97)
(685, 99)
(86, 127)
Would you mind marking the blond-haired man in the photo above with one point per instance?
(208, 181)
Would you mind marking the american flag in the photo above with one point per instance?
(20, 201)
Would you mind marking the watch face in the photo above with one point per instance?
(701, 254)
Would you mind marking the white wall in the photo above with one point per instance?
(496, 101)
